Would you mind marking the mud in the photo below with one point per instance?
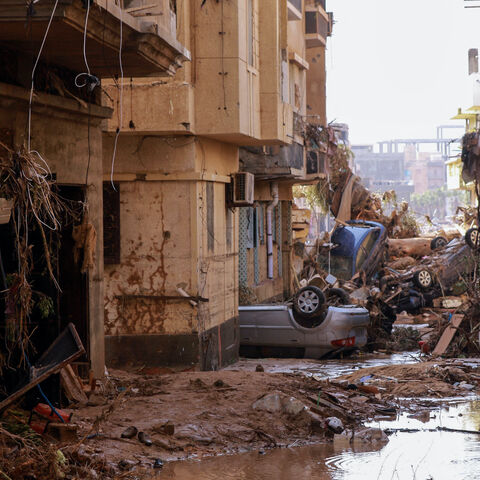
(212, 413)
(427, 454)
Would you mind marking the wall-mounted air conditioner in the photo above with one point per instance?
(242, 190)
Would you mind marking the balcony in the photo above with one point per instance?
(274, 162)
(294, 8)
(318, 26)
(148, 47)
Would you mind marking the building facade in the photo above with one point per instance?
(51, 107)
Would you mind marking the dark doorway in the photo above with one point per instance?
(52, 310)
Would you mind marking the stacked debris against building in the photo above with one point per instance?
(417, 277)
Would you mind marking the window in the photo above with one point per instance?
(365, 249)
(111, 224)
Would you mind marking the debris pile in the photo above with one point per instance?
(427, 279)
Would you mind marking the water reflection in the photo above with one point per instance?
(422, 455)
(324, 368)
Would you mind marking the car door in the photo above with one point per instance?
(275, 328)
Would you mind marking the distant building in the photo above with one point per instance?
(428, 173)
(378, 166)
(381, 172)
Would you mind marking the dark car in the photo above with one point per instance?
(357, 248)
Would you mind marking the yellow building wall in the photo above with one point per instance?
(164, 235)
(316, 108)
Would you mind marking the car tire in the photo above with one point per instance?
(472, 238)
(438, 242)
(337, 297)
(308, 301)
(423, 279)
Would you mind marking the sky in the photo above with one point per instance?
(397, 69)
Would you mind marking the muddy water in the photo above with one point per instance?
(323, 368)
(421, 455)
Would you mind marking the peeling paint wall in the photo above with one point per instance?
(174, 230)
(155, 257)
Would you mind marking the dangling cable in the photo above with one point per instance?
(119, 128)
(91, 80)
(33, 74)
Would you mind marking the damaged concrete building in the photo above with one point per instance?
(265, 266)
(177, 126)
(53, 55)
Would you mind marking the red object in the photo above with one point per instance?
(424, 346)
(39, 427)
(344, 342)
(45, 411)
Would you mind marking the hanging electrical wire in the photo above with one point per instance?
(90, 81)
(33, 74)
(120, 120)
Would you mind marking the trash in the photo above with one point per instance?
(220, 384)
(145, 439)
(334, 424)
(158, 463)
(292, 406)
(466, 386)
(448, 335)
(72, 385)
(448, 302)
(126, 465)
(369, 435)
(368, 389)
(130, 432)
(66, 348)
(271, 403)
(167, 428)
(365, 378)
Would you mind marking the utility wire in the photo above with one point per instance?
(33, 75)
(120, 122)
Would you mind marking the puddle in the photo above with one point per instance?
(420, 455)
(324, 368)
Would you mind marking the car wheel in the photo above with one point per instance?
(423, 279)
(438, 242)
(308, 301)
(472, 238)
(336, 297)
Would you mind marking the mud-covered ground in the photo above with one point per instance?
(197, 414)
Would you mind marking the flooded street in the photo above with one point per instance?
(422, 455)
(322, 369)
(424, 452)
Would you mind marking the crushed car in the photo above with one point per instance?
(438, 275)
(356, 250)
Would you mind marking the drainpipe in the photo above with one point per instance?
(270, 207)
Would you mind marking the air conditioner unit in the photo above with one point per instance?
(242, 191)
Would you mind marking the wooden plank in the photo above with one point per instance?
(447, 335)
(36, 377)
(72, 385)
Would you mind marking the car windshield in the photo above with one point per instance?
(340, 267)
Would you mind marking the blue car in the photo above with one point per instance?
(358, 248)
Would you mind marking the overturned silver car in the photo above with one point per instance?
(338, 329)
